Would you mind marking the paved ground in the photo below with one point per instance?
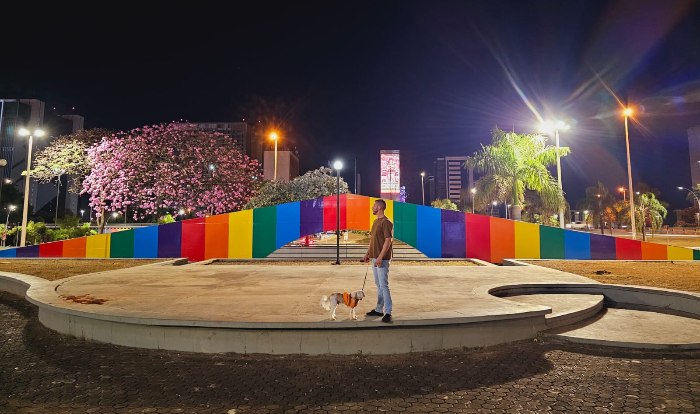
(273, 293)
(41, 371)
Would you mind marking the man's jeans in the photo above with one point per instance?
(381, 279)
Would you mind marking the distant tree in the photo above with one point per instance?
(535, 211)
(598, 202)
(166, 166)
(513, 163)
(649, 212)
(315, 183)
(445, 204)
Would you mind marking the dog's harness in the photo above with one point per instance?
(349, 301)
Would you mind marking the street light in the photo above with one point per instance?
(422, 185)
(337, 165)
(275, 137)
(473, 191)
(628, 112)
(493, 204)
(10, 209)
(23, 132)
(623, 190)
(696, 199)
(3, 163)
(549, 127)
(82, 213)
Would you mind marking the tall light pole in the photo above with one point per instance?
(3, 163)
(337, 165)
(23, 132)
(473, 191)
(549, 127)
(10, 209)
(691, 192)
(627, 112)
(275, 137)
(422, 185)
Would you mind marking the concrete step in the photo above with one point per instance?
(567, 309)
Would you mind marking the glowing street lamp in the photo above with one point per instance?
(628, 112)
(549, 127)
(337, 166)
(275, 137)
(623, 190)
(473, 191)
(422, 185)
(23, 132)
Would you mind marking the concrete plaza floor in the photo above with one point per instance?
(291, 294)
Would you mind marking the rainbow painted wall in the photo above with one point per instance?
(437, 233)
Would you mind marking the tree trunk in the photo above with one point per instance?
(100, 222)
(516, 212)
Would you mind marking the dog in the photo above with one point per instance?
(330, 303)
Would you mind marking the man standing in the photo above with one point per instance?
(380, 253)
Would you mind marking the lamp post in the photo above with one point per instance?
(422, 185)
(337, 165)
(549, 127)
(23, 132)
(274, 136)
(10, 209)
(627, 112)
(3, 163)
(623, 190)
(694, 195)
(493, 204)
(473, 191)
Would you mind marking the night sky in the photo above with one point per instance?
(428, 78)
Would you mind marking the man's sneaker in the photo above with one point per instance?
(387, 318)
(374, 313)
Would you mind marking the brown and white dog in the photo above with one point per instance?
(330, 303)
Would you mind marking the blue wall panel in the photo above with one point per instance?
(577, 245)
(29, 251)
(287, 229)
(428, 231)
(146, 242)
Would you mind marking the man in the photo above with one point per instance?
(380, 253)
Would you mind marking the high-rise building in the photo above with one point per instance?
(390, 174)
(238, 131)
(31, 113)
(287, 165)
(694, 152)
(450, 178)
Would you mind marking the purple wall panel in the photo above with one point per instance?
(602, 247)
(311, 217)
(29, 251)
(454, 243)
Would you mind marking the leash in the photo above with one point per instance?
(366, 271)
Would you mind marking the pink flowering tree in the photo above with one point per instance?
(169, 167)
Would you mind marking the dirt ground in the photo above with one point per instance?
(54, 269)
(668, 275)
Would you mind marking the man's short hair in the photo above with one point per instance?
(381, 203)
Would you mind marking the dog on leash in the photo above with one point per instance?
(330, 303)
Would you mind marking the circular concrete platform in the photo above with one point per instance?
(264, 308)
(275, 309)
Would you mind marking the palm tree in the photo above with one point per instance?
(514, 163)
(649, 211)
(599, 203)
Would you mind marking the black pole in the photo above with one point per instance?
(337, 221)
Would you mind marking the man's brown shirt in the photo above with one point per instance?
(382, 229)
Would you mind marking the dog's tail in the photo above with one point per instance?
(325, 303)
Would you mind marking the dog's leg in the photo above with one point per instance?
(333, 307)
(352, 314)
